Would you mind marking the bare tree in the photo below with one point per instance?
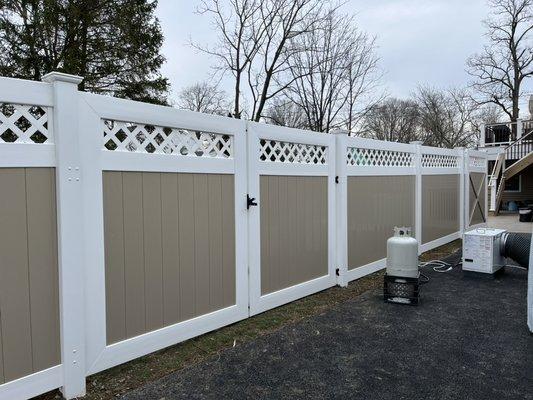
(203, 97)
(240, 34)
(446, 117)
(486, 114)
(337, 68)
(507, 60)
(253, 39)
(285, 22)
(363, 77)
(395, 120)
(284, 112)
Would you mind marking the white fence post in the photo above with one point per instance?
(70, 231)
(341, 178)
(493, 192)
(466, 197)
(418, 194)
(463, 170)
(530, 291)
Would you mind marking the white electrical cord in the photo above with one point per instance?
(439, 265)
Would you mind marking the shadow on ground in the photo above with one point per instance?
(467, 340)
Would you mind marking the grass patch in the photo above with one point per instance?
(119, 380)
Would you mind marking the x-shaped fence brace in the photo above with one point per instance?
(477, 192)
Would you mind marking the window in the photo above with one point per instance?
(513, 184)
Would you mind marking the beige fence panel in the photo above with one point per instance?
(376, 204)
(376, 191)
(29, 305)
(440, 206)
(169, 245)
(294, 230)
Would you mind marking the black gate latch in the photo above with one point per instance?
(250, 202)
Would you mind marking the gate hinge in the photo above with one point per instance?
(337, 179)
(250, 202)
(337, 272)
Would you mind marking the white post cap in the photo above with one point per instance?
(55, 76)
(340, 132)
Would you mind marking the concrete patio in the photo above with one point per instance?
(509, 222)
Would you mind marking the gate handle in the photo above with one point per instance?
(250, 202)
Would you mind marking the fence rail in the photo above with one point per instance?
(130, 227)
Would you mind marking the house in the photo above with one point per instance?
(510, 166)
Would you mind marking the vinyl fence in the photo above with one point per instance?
(128, 227)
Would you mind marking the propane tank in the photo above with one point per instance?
(402, 254)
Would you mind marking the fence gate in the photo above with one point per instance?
(165, 226)
(291, 186)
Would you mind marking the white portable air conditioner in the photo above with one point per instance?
(481, 250)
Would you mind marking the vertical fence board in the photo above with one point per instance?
(228, 238)
(274, 251)
(216, 288)
(186, 245)
(114, 257)
(307, 264)
(265, 235)
(201, 243)
(283, 217)
(14, 287)
(321, 221)
(153, 263)
(170, 248)
(293, 241)
(43, 272)
(300, 256)
(134, 254)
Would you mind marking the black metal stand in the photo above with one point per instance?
(401, 290)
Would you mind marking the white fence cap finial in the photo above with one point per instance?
(55, 76)
(340, 132)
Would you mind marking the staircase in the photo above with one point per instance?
(520, 150)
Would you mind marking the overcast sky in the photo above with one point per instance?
(420, 41)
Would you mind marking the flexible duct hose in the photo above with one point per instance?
(516, 246)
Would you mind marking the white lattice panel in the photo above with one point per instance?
(24, 124)
(439, 161)
(477, 162)
(288, 152)
(360, 157)
(138, 138)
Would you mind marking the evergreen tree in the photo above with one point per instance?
(113, 44)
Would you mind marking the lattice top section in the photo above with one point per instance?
(24, 124)
(139, 138)
(379, 158)
(478, 162)
(439, 161)
(288, 152)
